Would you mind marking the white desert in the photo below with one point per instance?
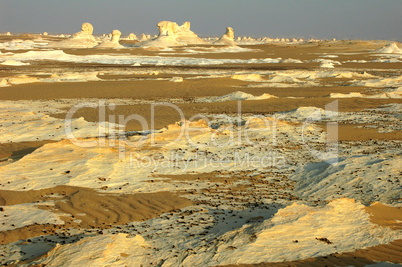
(181, 150)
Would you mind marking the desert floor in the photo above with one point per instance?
(145, 193)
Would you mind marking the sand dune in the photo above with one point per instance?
(86, 208)
(18, 150)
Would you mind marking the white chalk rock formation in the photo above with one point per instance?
(391, 48)
(186, 25)
(45, 33)
(143, 37)
(227, 38)
(8, 33)
(82, 39)
(86, 32)
(132, 36)
(171, 34)
(186, 36)
(167, 28)
(113, 42)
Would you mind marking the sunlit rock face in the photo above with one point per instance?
(229, 33)
(227, 38)
(87, 28)
(186, 25)
(143, 37)
(171, 34)
(167, 28)
(185, 35)
(85, 33)
(113, 42)
(116, 36)
(391, 48)
(81, 39)
(132, 36)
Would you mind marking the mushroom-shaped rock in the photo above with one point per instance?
(82, 39)
(116, 36)
(113, 42)
(227, 38)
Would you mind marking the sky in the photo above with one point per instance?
(341, 19)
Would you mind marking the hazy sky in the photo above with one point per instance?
(342, 19)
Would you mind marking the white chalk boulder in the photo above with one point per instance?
(186, 25)
(132, 36)
(227, 38)
(185, 36)
(113, 42)
(143, 37)
(171, 34)
(391, 48)
(82, 39)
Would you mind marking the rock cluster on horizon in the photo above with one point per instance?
(171, 34)
(113, 42)
(81, 39)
